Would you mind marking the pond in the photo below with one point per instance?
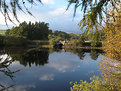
(46, 69)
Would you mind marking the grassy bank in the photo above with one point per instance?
(81, 47)
(13, 41)
(2, 32)
(19, 41)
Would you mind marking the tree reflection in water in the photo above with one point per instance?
(38, 57)
(111, 77)
(94, 53)
(4, 68)
(24, 56)
(29, 56)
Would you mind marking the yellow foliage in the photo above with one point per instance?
(111, 64)
(112, 43)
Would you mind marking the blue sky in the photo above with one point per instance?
(52, 12)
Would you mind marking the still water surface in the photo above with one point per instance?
(46, 69)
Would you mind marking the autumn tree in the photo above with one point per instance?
(112, 34)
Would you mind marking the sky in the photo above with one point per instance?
(52, 12)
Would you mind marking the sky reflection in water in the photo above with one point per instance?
(55, 72)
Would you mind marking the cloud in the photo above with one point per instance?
(48, 2)
(55, 15)
(47, 77)
(61, 65)
(2, 20)
(22, 87)
(59, 11)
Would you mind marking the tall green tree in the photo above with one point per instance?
(32, 31)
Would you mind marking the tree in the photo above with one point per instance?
(32, 31)
(5, 69)
(95, 7)
(112, 35)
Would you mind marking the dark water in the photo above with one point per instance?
(46, 69)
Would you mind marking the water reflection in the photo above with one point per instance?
(42, 69)
(94, 53)
(40, 56)
(23, 87)
(65, 62)
(5, 62)
(28, 56)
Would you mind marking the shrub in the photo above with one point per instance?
(96, 84)
(15, 41)
(52, 41)
(2, 40)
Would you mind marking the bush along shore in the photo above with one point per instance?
(20, 42)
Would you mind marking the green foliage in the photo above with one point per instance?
(88, 24)
(93, 44)
(96, 84)
(13, 32)
(62, 35)
(52, 41)
(95, 38)
(88, 4)
(50, 32)
(7, 32)
(15, 41)
(5, 69)
(11, 6)
(2, 40)
(94, 54)
(79, 41)
(2, 32)
(93, 10)
(56, 36)
(32, 31)
(28, 56)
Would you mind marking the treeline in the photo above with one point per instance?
(24, 33)
(31, 31)
(62, 35)
(56, 36)
(40, 31)
(93, 39)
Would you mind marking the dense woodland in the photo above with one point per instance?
(31, 31)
